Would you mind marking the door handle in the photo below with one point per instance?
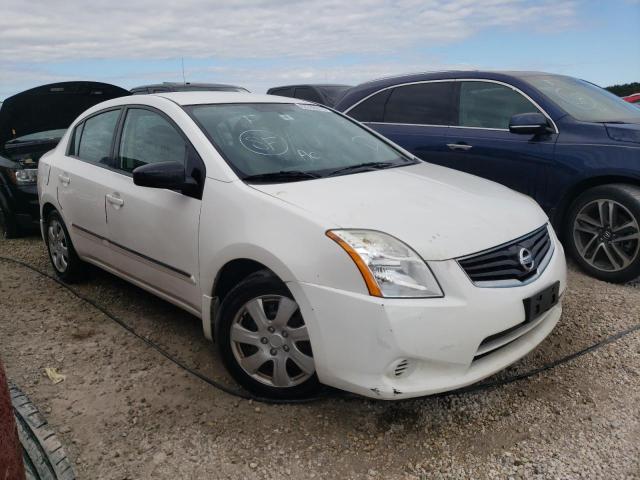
(64, 179)
(459, 146)
(113, 200)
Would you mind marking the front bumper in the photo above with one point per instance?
(402, 348)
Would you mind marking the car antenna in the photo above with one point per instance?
(184, 79)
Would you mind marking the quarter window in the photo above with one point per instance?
(147, 137)
(74, 147)
(423, 104)
(97, 136)
(490, 105)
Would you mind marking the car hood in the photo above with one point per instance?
(439, 212)
(51, 107)
(624, 132)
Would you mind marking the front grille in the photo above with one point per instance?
(503, 265)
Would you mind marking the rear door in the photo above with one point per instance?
(81, 183)
(415, 116)
(154, 232)
(480, 143)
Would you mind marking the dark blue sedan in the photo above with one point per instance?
(569, 144)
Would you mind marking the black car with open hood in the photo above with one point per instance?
(31, 123)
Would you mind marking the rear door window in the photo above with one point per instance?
(97, 137)
(490, 105)
(430, 103)
(147, 137)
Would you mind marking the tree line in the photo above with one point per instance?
(625, 89)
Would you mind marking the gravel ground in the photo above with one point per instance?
(126, 412)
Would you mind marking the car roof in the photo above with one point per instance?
(312, 85)
(357, 93)
(203, 98)
(187, 85)
(198, 98)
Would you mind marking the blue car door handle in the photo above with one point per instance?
(459, 146)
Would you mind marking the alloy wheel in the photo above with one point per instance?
(270, 342)
(58, 246)
(606, 235)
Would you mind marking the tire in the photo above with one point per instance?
(70, 269)
(43, 455)
(8, 227)
(271, 357)
(603, 232)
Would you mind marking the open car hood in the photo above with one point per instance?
(51, 107)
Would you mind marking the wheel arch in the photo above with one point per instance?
(47, 208)
(560, 217)
(230, 272)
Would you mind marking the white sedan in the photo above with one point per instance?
(314, 250)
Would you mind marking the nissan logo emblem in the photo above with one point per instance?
(526, 259)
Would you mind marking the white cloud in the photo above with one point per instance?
(259, 80)
(254, 43)
(40, 30)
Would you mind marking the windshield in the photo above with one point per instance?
(272, 138)
(584, 101)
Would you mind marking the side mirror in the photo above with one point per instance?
(169, 175)
(529, 123)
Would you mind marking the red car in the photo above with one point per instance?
(633, 98)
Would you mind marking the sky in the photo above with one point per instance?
(263, 43)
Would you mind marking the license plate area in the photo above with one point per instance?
(541, 302)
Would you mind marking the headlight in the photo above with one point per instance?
(390, 268)
(24, 176)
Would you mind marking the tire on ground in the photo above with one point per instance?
(8, 227)
(43, 454)
(624, 194)
(261, 283)
(76, 269)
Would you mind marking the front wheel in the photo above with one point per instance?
(264, 341)
(604, 232)
(8, 227)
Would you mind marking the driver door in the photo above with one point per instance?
(153, 232)
(481, 143)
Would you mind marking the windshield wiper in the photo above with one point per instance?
(285, 175)
(364, 166)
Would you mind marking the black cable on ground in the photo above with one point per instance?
(247, 396)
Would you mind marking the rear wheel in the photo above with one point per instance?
(604, 232)
(63, 256)
(264, 341)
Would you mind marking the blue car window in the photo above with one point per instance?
(490, 105)
(372, 109)
(428, 103)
